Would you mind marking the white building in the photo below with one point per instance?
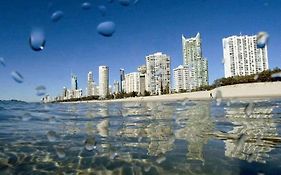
(132, 82)
(90, 84)
(193, 58)
(182, 78)
(103, 81)
(242, 57)
(158, 73)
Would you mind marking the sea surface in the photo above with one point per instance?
(180, 137)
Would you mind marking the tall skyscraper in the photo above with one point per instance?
(116, 86)
(132, 82)
(158, 73)
(74, 83)
(122, 78)
(197, 64)
(103, 81)
(242, 56)
(90, 86)
(181, 78)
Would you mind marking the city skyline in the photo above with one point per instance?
(86, 50)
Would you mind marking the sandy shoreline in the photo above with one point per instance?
(249, 90)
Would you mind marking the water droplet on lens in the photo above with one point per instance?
(52, 136)
(249, 109)
(106, 28)
(56, 16)
(102, 10)
(60, 152)
(124, 2)
(262, 39)
(2, 61)
(40, 90)
(37, 40)
(90, 144)
(218, 97)
(17, 77)
(86, 5)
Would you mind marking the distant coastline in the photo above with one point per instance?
(237, 91)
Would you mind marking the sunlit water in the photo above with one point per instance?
(141, 138)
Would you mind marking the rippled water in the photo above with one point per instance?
(181, 137)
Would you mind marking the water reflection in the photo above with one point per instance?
(252, 135)
(180, 137)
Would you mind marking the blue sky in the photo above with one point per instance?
(73, 44)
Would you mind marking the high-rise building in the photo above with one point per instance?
(74, 83)
(103, 81)
(142, 71)
(90, 84)
(158, 73)
(181, 78)
(122, 79)
(242, 56)
(132, 82)
(193, 58)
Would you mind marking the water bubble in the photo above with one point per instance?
(2, 61)
(37, 40)
(56, 16)
(106, 28)
(86, 5)
(218, 97)
(262, 39)
(90, 144)
(52, 136)
(17, 77)
(249, 109)
(102, 10)
(26, 117)
(60, 152)
(124, 2)
(40, 90)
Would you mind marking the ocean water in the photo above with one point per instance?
(180, 137)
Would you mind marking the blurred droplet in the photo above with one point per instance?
(262, 39)
(102, 10)
(40, 90)
(2, 61)
(160, 159)
(26, 117)
(60, 152)
(37, 40)
(218, 97)
(124, 2)
(90, 144)
(56, 16)
(86, 5)
(256, 77)
(106, 28)
(249, 109)
(17, 77)
(52, 136)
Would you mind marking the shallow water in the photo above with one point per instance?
(181, 137)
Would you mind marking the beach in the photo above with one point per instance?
(249, 90)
